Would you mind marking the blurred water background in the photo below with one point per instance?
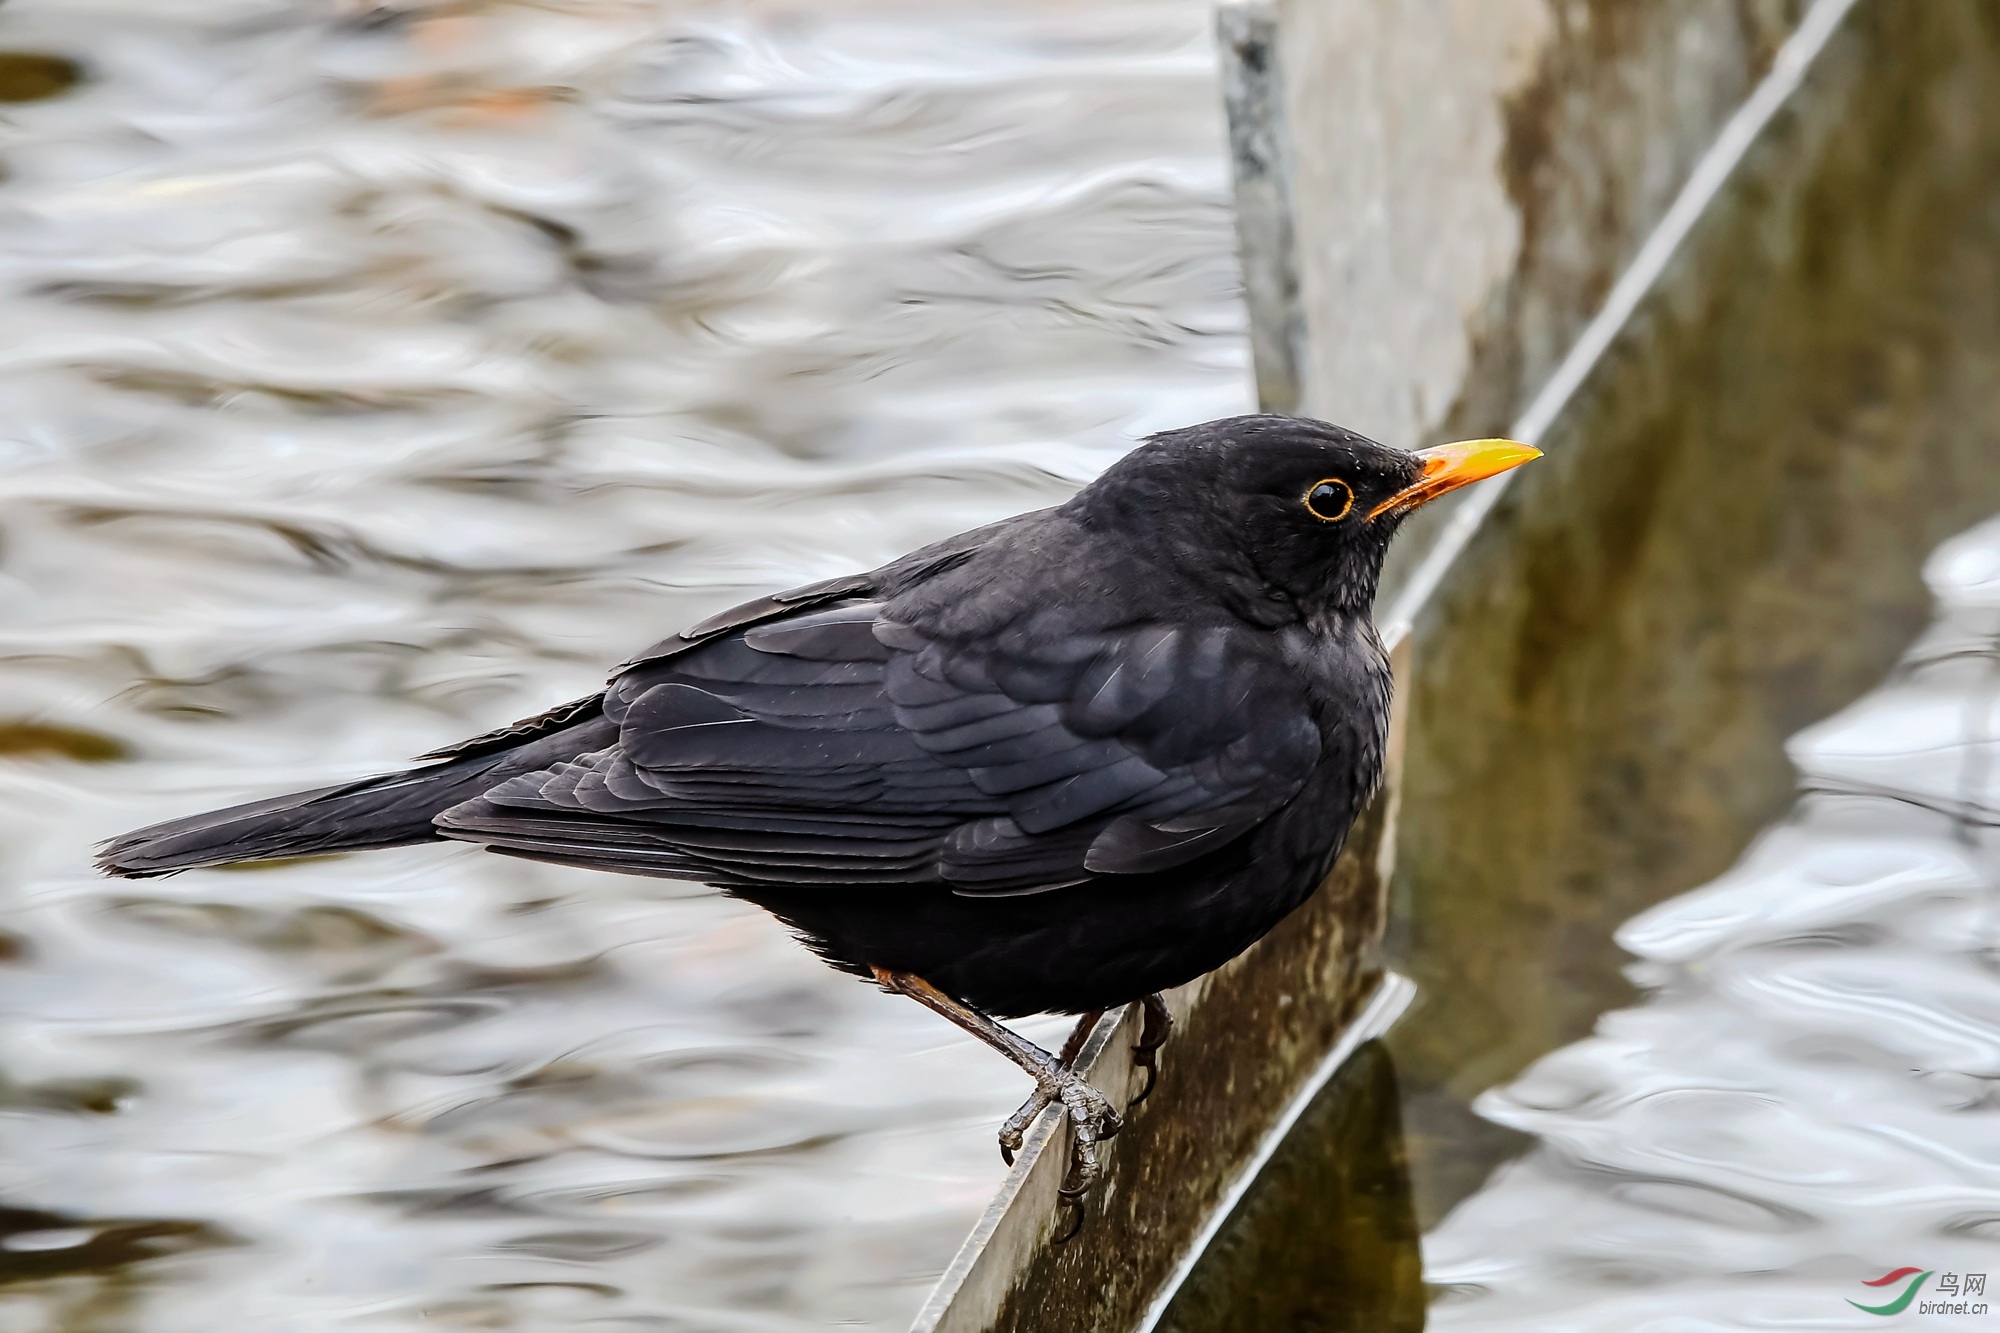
(1807, 1097)
(372, 374)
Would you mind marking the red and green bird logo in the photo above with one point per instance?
(1901, 1302)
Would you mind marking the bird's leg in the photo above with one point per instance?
(1017, 1124)
(1091, 1117)
(1078, 1035)
(1151, 1037)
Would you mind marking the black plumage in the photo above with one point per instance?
(1054, 764)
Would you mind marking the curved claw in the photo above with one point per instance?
(1092, 1121)
(1159, 1023)
(1091, 1118)
(1070, 1201)
(1015, 1130)
(1145, 1062)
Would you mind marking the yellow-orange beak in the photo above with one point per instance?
(1450, 466)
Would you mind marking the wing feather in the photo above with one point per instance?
(824, 740)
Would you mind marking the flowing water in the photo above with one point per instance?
(373, 373)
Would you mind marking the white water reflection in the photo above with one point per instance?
(1810, 1097)
(373, 373)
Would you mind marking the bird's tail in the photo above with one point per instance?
(387, 811)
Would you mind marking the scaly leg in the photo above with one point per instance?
(1017, 1124)
(1151, 1037)
(1078, 1035)
(1090, 1116)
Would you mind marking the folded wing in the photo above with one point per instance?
(837, 744)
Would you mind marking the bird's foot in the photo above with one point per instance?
(1017, 1124)
(1091, 1116)
(1153, 1035)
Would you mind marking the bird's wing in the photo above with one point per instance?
(841, 745)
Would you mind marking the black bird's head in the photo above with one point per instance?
(1280, 509)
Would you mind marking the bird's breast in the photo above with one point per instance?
(1345, 671)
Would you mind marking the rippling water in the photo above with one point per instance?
(371, 374)
(1810, 1096)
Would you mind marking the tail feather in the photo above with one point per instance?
(388, 811)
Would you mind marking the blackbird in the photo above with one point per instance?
(1052, 765)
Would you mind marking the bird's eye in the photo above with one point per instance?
(1330, 499)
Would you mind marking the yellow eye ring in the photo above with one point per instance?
(1323, 495)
